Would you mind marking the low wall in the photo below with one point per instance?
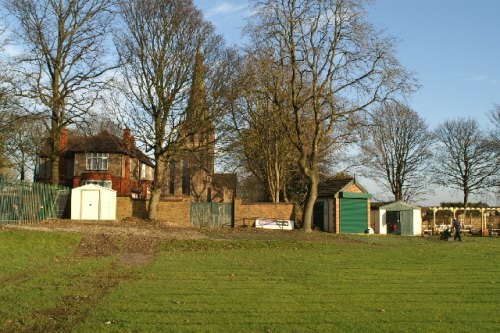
(178, 211)
(245, 214)
(175, 211)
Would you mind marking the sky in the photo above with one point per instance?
(452, 46)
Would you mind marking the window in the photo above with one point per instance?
(185, 179)
(97, 161)
(103, 183)
(37, 166)
(171, 186)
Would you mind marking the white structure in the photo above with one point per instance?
(399, 218)
(93, 202)
(274, 224)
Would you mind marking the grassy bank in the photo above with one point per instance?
(269, 282)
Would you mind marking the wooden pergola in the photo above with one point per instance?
(454, 210)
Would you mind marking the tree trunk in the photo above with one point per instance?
(54, 161)
(156, 191)
(153, 203)
(312, 194)
(54, 153)
(466, 202)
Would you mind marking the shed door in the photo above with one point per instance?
(353, 215)
(90, 205)
(319, 215)
(407, 222)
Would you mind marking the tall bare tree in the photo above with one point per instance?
(494, 128)
(159, 45)
(396, 149)
(494, 140)
(64, 59)
(331, 63)
(465, 161)
(260, 146)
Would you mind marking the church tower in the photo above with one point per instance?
(198, 160)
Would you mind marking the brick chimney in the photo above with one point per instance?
(128, 139)
(63, 139)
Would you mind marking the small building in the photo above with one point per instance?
(93, 202)
(342, 206)
(399, 218)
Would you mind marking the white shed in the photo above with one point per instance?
(399, 218)
(93, 202)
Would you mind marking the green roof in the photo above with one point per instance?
(399, 206)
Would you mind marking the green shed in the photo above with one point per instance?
(399, 218)
(342, 206)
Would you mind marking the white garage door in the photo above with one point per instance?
(90, 205)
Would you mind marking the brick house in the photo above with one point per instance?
(103, 159)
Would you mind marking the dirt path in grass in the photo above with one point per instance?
(132, 242)
(135, 240)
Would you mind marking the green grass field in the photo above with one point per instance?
(247, 282)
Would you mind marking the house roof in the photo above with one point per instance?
(104, 142)
(330, 187)
(399, 206)
(93, 187)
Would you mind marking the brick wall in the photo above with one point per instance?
(247, 213)
(175, 211)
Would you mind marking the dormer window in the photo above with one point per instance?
(97, 161)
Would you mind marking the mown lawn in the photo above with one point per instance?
(271, 284)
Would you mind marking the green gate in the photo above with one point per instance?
(211, 214)
(25, 202)
(353, 212)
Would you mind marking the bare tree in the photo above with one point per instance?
(331, 63)
(64, 61)
(494, 129)
(159, 45)
(465, 161)
(260, 146)
(396, 149)
(23, 144)
(494, 141)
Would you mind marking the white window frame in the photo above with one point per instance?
(97, 161)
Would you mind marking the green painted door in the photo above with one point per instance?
(319, 215)
(353, 215)
(211, 214)
(407, 222)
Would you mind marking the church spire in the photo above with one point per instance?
(197, 108)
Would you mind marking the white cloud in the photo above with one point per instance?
(225, 8)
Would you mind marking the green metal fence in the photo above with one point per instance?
(211, 214)
(24, 202)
